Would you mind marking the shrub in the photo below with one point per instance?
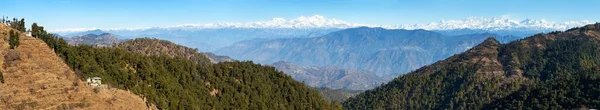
(11, 57)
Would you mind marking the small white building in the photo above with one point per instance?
(94, 81)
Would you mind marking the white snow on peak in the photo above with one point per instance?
(494, 24)
(302, 22)
(318, 21)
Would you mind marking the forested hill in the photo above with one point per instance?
(558, 70)
(156, 47)
(178, 83)
(152, 46)
(383, 52)
(104, 39)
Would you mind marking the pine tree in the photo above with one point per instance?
(22, 25)
(14, 39)
(1, 77)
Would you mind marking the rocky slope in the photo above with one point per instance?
(557, 70)
(36, 78)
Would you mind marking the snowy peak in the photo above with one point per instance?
(318, 21)
(495, 24)
(302, 22)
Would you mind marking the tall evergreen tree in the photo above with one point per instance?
(13, 39)
(1, 77)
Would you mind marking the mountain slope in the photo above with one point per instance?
(314, 76)
(212, 36)
(173, 82)
(330, 77)
(155, 47)
(381, 51)
(546, 71)
(147, 46)
(104, 39)
(211, 39)
(36, 78)
(497, 24)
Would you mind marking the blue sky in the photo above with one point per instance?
(143, 13)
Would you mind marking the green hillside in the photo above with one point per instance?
(178, 83)
(558, 70)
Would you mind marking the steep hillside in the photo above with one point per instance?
(330, 77)
(172, 82)
(36, 78)
(558, 70)
(104, 39)
(385, 52)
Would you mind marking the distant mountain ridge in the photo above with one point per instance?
(103, 39)
(496, 24)
(210, 39)
(156, 47)
(318, 21)
(557, 70)
(148, 46)
(330, 77)
(302, 22)
(213, 36)
(378, 50)
(162, 75)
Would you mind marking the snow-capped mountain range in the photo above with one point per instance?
(302, 22)
(318, 21)
(495, 24)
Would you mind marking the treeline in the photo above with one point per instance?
(14, 23)
(153, 46)
(177, 83)
(559, 70)
(566, 75)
